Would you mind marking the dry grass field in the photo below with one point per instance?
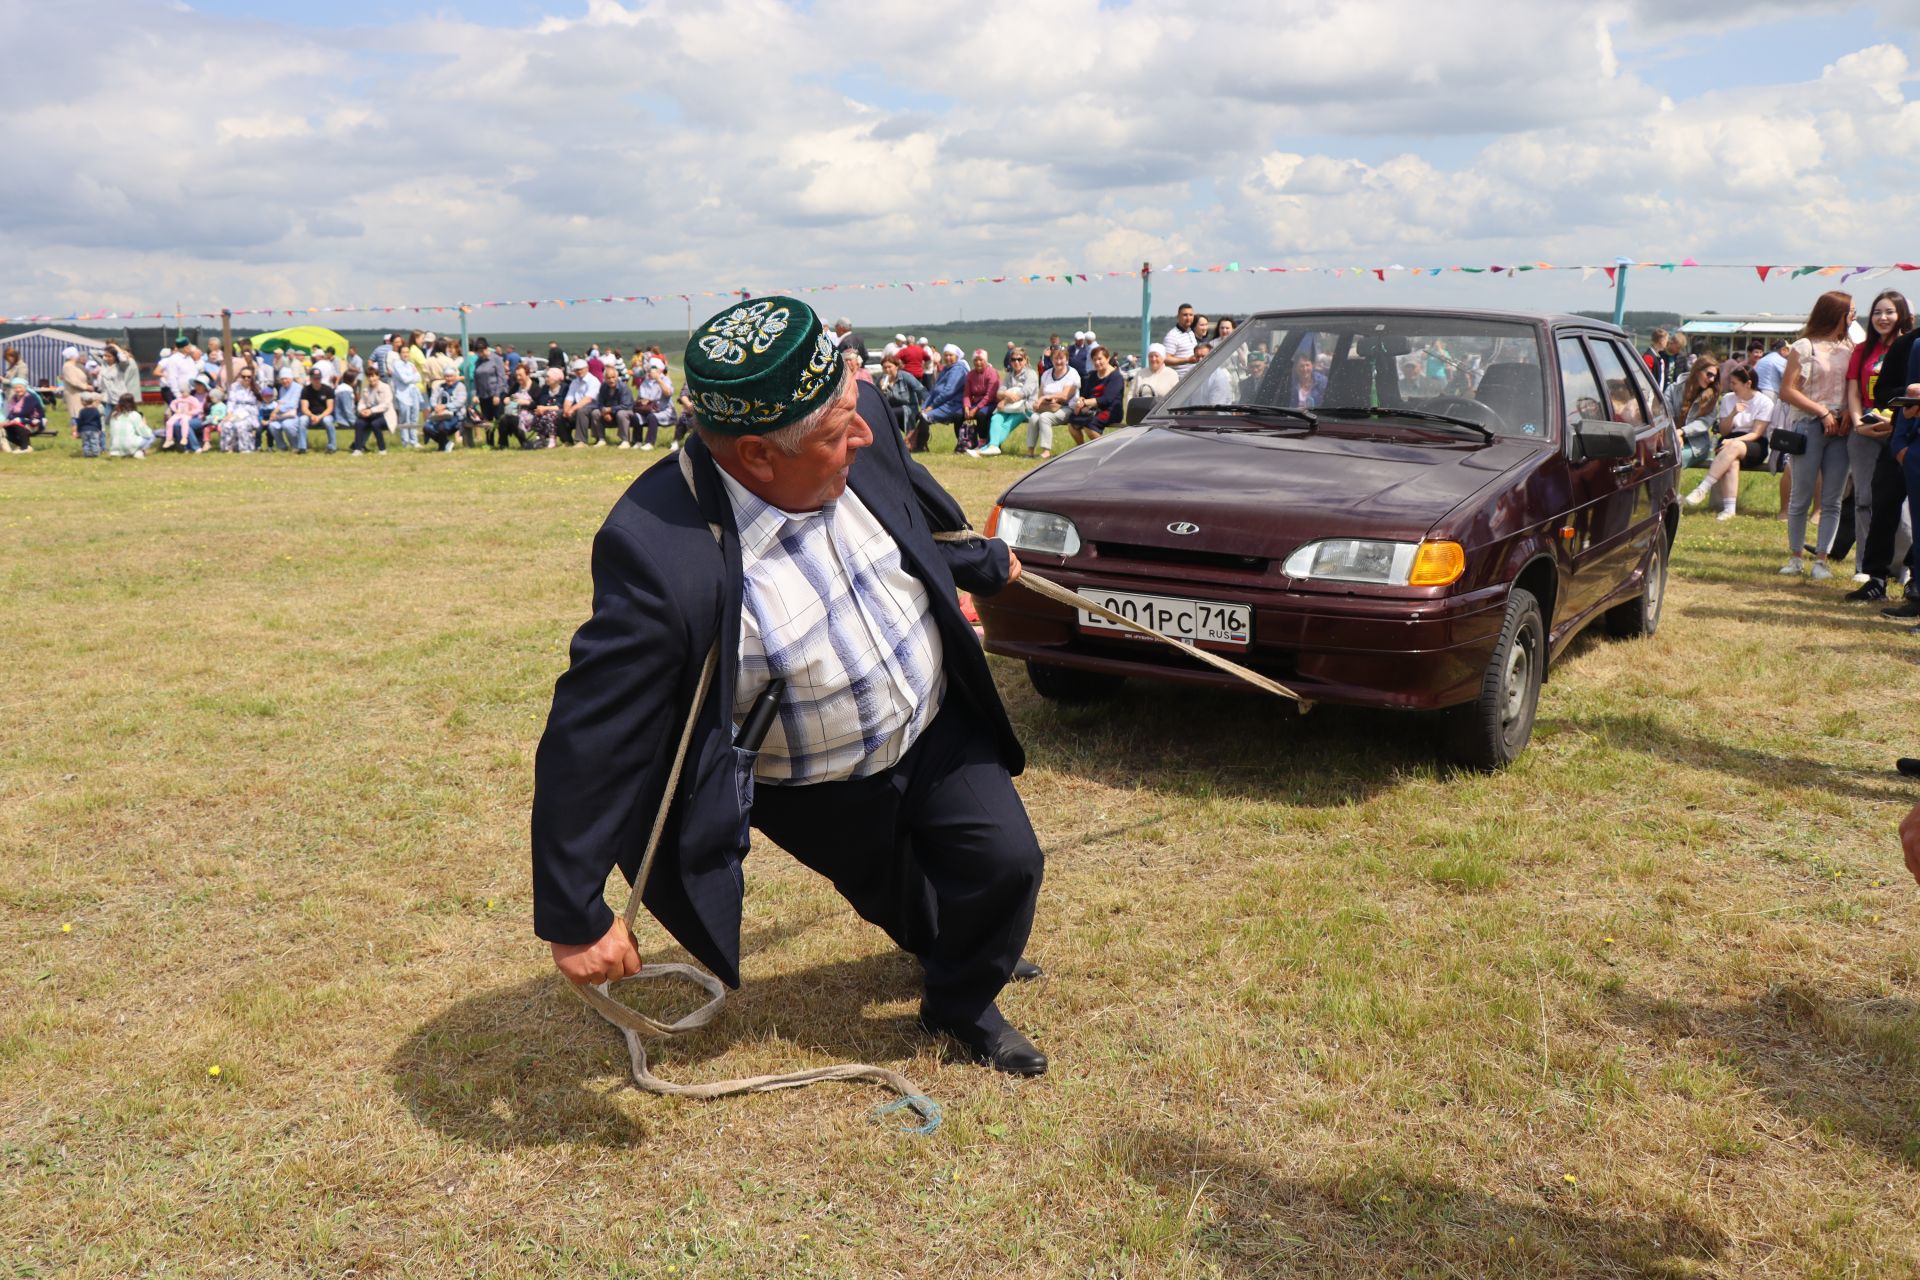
(1648, 1004)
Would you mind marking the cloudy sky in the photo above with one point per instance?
(359, 151)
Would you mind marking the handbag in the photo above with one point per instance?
(1786, 440)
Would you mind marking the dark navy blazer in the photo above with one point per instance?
(663, 591)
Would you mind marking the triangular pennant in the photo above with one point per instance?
(1612, 274)
(1763, 273)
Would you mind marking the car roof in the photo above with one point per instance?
(1553, 319)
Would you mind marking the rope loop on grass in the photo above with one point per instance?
(926, 1108)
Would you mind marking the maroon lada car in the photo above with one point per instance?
(1403, 508)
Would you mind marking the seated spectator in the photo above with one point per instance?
(577, 407)
(1014, 405)
(944, 398)
(1098, 406)
(285, 430)
(549, 398)
(1059, 386)
(215, 419)
(514, 422)
(652, 400)
(1746, 415)
(316, 408)
(344, 413)
(374, 413)
(128, 434)
(447, 411)
(25, 416)
(903, 391)
(93, 431)
(1160, 378)
(242, 422)
(179, 430)
(613, 409)
(979, 394)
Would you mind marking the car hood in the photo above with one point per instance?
(1263, 492)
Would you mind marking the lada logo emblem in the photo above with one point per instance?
(1183, 528)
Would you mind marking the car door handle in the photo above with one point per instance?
(1623, 469)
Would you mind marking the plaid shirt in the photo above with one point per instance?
(831, 609)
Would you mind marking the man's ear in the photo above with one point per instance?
(755, 457)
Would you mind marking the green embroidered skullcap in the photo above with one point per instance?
(761, 365)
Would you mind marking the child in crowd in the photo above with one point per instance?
(93, 432)
(181, 412)
(210, 434)
(127, 431)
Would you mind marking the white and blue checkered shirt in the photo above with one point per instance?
(831, 609)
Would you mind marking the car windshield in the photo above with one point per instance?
(1484, 373)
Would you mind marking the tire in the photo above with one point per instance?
(1066, 684)
(1491, 731)
(1641, 616)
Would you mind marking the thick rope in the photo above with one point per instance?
(632, 1024)
(1052, 590)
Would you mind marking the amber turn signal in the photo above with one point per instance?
(993, 521)
(1436, 564)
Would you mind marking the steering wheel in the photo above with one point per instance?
(1469, 408)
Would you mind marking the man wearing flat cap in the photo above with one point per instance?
(793, 539)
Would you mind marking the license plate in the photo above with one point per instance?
(1204, 622)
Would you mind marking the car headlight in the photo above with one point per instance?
(1388, 564)
(1038, 531)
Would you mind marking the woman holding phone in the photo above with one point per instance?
(1888, 319)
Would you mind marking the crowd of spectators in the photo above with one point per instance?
(1819, 409)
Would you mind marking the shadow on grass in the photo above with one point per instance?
(1383, 1220)
(1653, 737)
(1849, 1067)
(532, 1065)
(1206, 742)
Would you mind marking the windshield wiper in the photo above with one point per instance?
(1392, 411)
(1250, 410)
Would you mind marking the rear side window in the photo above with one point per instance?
(1622, 393)
(1656, 407)
(1576, 378)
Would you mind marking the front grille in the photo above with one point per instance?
(1179, 555)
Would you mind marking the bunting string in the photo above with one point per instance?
(1766, 271)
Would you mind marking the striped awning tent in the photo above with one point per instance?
(41, 349)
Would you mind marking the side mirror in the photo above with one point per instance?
(1601, 438)
(1139, 407)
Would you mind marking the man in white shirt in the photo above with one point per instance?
(1181, 339)
(576, 411)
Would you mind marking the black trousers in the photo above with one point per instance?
(937, 851)
(364, 427)
(1889, 497)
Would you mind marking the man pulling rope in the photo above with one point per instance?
(889, 762)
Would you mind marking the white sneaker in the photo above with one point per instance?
(599, 444)
(1820, 571)
(1861, 579)
(1726, 513)
(139, 453)
(1791, 569)
(991, 451)
(626, 444)
(971, 453)
(1698, 497)
(649, 448)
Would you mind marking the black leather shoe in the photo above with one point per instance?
(1025, 970)
(1908, 766)
(1001, 1046)
(1908, 608)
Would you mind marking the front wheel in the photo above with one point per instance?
(1641, 615)
(1066, 684)
(1491, 731)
